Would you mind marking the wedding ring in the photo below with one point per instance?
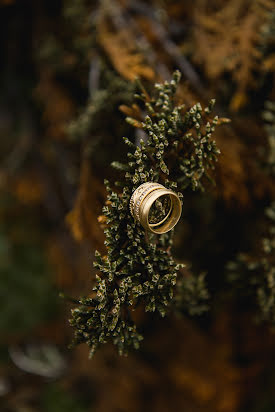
(156, 208)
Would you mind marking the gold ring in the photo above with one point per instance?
(156, 208)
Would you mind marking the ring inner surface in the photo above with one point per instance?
(160, 210)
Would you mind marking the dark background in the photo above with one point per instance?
(65, 69)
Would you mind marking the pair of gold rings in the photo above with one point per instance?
(156, 208)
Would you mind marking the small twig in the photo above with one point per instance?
(94, 74)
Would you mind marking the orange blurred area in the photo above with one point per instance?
(68, 75)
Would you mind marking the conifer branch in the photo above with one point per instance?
(139, 268)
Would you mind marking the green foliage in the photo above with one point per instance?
(267, 32)
(72, 48)
(269, 117)
(259, 272)
(139, 268)
(192, 295)
(182, 137)
(103, 103)
(24, 276)
(57, 399)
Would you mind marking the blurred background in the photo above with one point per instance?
(66, 68)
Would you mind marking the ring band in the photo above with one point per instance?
(142, 201)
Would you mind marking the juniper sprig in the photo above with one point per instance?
(138, 268)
